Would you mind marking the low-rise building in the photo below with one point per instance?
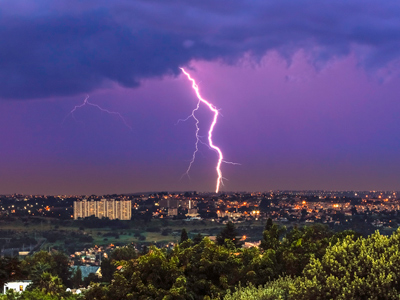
(17, 286)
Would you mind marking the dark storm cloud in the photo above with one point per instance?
(52, 48)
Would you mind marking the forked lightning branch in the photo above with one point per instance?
(214, 110)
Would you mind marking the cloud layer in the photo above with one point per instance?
(69, 47)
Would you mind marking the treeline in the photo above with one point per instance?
(304, 263)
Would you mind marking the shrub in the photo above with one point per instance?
(274, 290)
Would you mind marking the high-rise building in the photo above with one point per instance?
(91, 208)
(78, 210)
(104, 208)
(126, 210)
(101, 208)
(111, 209)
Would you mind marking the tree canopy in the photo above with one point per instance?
(310, 262)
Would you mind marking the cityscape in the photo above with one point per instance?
(199, 150)
(94, 230)
(378, 208)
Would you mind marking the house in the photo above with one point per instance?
(86, 270)
(18, 286)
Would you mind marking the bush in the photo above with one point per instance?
(366, 268)
(274, 290)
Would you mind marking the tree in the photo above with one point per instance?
(145, 250)
(41, 257)
(151, 276)
(366, 268)
(49, 284)
(96, 292)
(10, 269)
(56, 264)
(37, 271)
(184, 236)
(228, 233)
(107, 270)
(123, 253)
(299, 245)
(36, 295)
(272, 236)
(60, 267)
(91, 278)
(197, 238)
(269, 224)
(278, 289)
(77, 278)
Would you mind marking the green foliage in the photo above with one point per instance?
(151, 276)
(49, 284)
(56, 264)
(191, 271)
(228, 233)
(10, 269)
(197, 238)
(299, 245)
(123, 253)
(366, 268)
(96, 292)
(269, 224)
(271, 236)
(107, 270)
(91, 278)
(348, 268)
(77, 278)
(36, 295)
(275, 290)
(201, 268)
(295, 248)
(184, 235)
(321, 265)
(61, 268)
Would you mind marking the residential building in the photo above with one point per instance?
(17, 286)
(105, 208)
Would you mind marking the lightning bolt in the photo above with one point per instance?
(86, 102)
(192, 115)
(210, 131)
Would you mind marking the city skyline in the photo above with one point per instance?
(308, 95)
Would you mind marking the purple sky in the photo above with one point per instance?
(308, 90)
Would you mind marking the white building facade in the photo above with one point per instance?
(17, 286)
(112, 209)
